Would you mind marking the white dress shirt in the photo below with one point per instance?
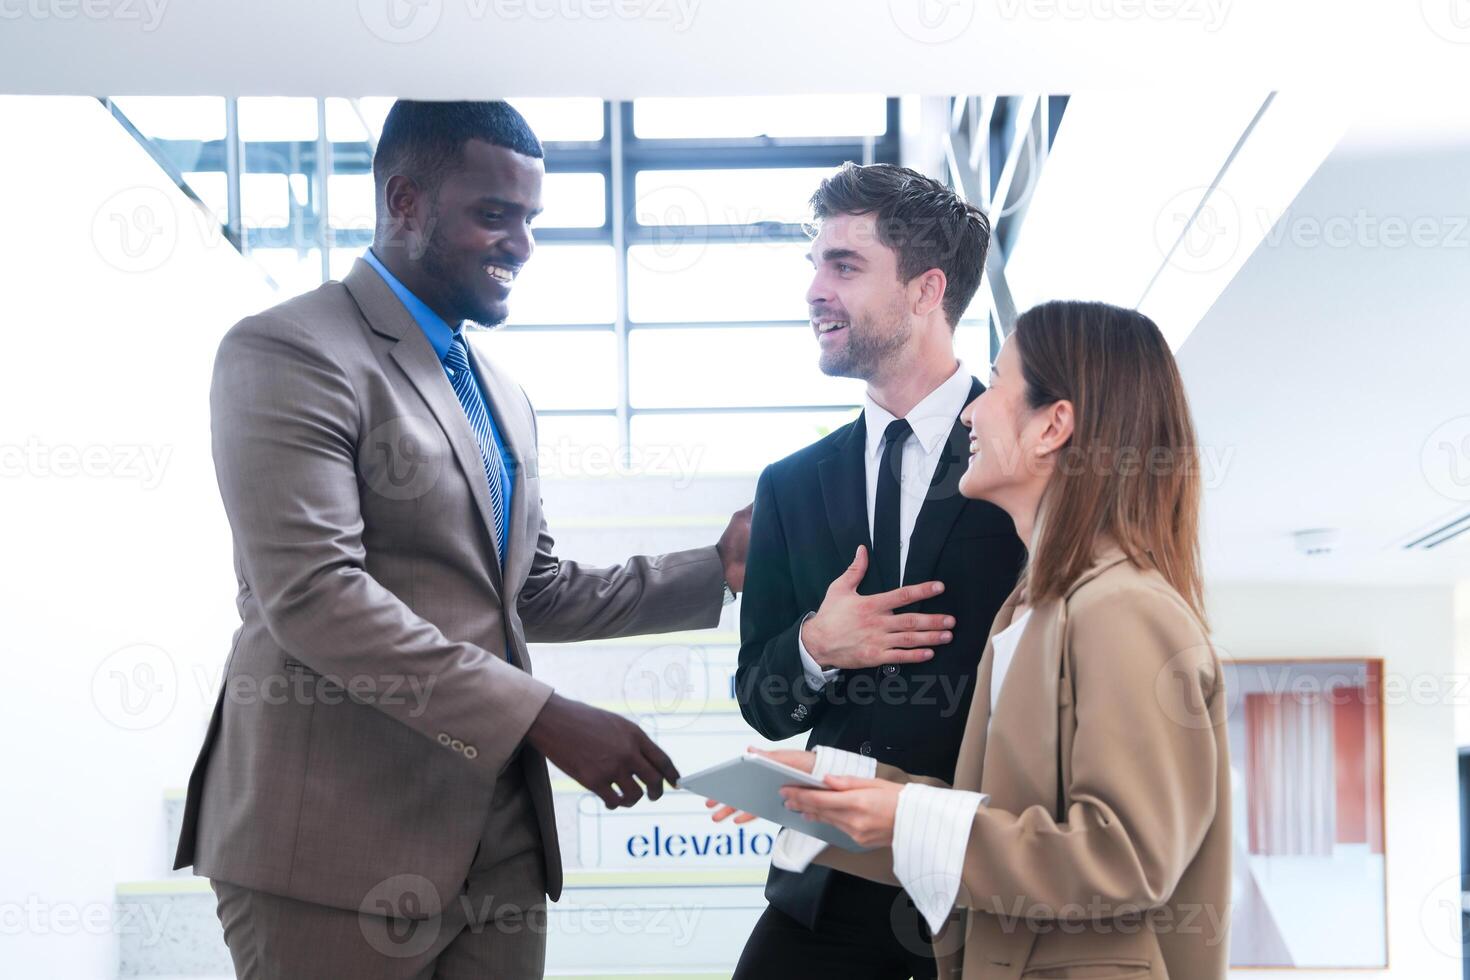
(1003, 651)
(931, 828)
(932, 420)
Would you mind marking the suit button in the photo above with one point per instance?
(890, 669)
(866, 748)
(457, 745)
(443, 739)
(470, 751)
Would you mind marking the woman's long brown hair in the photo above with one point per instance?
(1131, 469)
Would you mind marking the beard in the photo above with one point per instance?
(439, 265)
(871, 341)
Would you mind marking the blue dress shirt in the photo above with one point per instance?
(440, 336)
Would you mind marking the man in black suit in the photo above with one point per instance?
(876, 655)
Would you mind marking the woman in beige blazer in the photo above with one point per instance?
(1101, 845)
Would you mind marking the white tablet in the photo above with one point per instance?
(753, 784)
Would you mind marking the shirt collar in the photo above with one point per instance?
(440, 334)
(931, 419)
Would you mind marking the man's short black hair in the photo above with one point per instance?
(926, 223)
(424, 140)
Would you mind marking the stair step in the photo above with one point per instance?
(675, 921)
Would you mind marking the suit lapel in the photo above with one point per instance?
(414, 354)
(1016, 756)
(943, 503)
(1021, 762)
(844, 481)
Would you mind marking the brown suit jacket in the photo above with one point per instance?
(1104, 850)
(379, 682)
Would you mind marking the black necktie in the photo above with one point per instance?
(885, 510)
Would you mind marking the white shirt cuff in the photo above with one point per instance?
(840, 762)
(815, 675)
(930, 833)
(795, 851)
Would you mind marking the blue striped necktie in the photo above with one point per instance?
(457, 363)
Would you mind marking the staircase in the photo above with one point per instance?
(647, 889)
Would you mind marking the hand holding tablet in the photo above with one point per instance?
(752, 783)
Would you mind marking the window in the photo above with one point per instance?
(665, 304)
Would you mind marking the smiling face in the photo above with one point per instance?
(1011, 444)
(474, 232)
(859, 307)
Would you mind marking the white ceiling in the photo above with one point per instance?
(622, 48)
(1328, 379)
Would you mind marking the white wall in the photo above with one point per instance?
(117, 558)
(1462, 660)
(1412, 629)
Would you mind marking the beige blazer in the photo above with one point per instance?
(379, 682)
(1104, 851)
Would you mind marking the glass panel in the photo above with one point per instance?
(565, 284)
(294, 271)
(577, 446)
(175, 117)
(343, 123)
(277, 118)
(265, 200)
(747, 117)
(351, 200)
(731, 366)
(275, 190)
(726, 197)
(559, 368)
(555, 120)
(742, 442)
(573, 200)
(212, 189)
(696, 281)
(342, 260)
(972, 346)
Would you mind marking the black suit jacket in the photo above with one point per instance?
(810, 516)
